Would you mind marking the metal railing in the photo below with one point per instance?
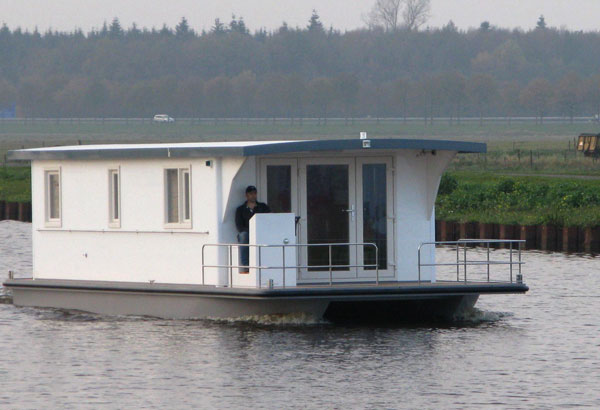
(464, 263)
(260, 267)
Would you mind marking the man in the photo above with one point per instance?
(243, 214)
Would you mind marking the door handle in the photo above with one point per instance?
(351, 211)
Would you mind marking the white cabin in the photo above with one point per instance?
(144, 212)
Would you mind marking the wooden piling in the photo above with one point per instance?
(591, 241)
(486, 231)
(447, 231)
(507, 232)
(547, 237)
(527, 233)
(569, 238)
(467, 230)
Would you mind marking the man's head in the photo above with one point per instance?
(251, 193)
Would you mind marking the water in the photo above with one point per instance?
(540, 350)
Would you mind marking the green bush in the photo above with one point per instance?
(520, 200)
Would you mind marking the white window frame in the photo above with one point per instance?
(114, 222)
(182, 195)
(48, 220)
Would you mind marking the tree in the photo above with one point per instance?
(570, 94)
(182, 30)
(272, 95)
(453, 89)
(115, 30)
(593, 94)
(346, 90)
(541, 23)
(244, 90)
(314, 24)
(509, 96)
(218, 94)
(189, 97)
(320, 92)
(537, 96)
(385, 13)
(416, 13)
(399, 96)
(482, 89)
(218, 28)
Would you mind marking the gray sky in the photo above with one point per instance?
(65, 15)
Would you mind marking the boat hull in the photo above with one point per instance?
(336, 304)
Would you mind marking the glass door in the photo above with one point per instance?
(328, 217)
(375, 216)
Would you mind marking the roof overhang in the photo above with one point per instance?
(235, 149)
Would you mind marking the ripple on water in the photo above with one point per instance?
(538, 350)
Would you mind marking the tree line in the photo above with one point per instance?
(310, 71)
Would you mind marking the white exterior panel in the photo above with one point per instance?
(144, 249)
(80, 250)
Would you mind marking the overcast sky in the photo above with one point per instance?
(65, 15)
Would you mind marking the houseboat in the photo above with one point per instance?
(149, 229)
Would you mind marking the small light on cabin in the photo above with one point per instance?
(363, 135)
(366, 144)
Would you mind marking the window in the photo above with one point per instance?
(279, 188)
(114, 198)
(52, 194)
(178, 197)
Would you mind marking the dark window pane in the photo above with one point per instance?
(186, 195)
(327, 219)
(115, 195)
(375, 213)
(54, 195)
(172, 196)
(279, 188)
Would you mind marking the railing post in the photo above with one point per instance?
(259, 267)
(230, 268)
(283, 251)
(465, 260)
(488, 261)
(330, 268)
(511, 263)
(376, 264)
(457, 261)
(520, 258)
(419, 259)
(203, 263)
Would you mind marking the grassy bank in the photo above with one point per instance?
(490, 198)
(15, 184)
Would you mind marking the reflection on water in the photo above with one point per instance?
(540, 350)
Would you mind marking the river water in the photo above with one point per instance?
(539, 350)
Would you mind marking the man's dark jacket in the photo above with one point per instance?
(243, 214)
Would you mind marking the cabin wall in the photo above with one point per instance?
(143, 248)
(417, 177)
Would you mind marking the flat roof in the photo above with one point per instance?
(235, 149)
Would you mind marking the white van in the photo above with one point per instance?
(162, 118)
